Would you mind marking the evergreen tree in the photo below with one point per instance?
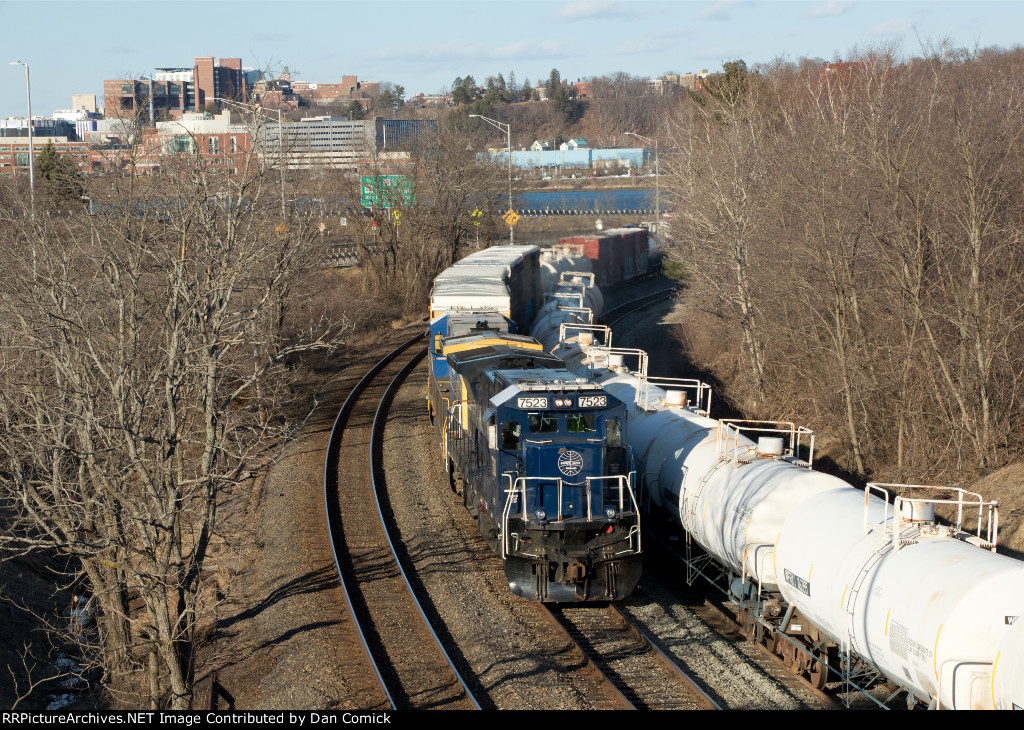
(61, 177)
(356, 111)
(554, 82)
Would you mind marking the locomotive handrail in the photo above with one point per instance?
(519, 486)
(448, 427)
(625, 487)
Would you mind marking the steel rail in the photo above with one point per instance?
(638, 305)
(646, 643)
(376, 447)
(664, 658)
(591, 665)
(332, 445)
(731, 618)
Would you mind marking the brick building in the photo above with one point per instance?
(176, 90)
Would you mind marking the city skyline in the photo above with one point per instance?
(73, 46)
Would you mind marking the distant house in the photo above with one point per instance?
(539, 146)
(573, 144)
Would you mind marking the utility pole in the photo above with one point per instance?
(507, 129)
(31, 150)
(657, 178)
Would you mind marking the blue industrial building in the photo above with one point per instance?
(584, 157)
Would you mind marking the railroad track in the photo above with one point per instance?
(411, 664)
(615, 314)
(716, 612)
(643, 677)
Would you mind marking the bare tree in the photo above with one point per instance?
(138, 345)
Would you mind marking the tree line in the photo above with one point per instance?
(852, 238)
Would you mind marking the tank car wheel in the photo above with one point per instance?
(818, 672)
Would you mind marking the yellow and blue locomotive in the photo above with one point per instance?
(540, 459)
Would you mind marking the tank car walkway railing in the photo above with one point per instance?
(913, 511)
(730, 447)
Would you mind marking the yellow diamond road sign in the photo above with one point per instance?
(511, 217)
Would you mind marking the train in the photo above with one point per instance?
(893, 585)
(537, 453)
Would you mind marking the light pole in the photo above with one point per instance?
(507, 129)
(31, 152)
(280, 139)
(657, 178)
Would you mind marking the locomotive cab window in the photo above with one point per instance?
(581, 422)
(437, 344)
(543, 423)
(510, 433)
(613, 433)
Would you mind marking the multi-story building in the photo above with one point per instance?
(688, 81)
(328, 142)
(41, 127)
(177, 90)
(221, 145)
(14, 152)
(404, 134)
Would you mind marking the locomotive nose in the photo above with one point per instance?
(573, 464)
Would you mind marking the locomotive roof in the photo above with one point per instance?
(481, 339)
(546, 379)
(470, 363)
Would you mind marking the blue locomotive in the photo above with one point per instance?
(540, 459)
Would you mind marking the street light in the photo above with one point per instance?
(657, 178)
(31, 152)
(507, 129)
(280, 138)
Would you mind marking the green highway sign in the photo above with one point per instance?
(386, 190)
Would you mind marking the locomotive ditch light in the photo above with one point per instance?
(542, 516)
(610, 513)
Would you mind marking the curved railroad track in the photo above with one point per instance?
(615, 314)
(641, 675)
(412, 666)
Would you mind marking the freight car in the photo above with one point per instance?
(615, 255)
(867, 586)
(539, 458)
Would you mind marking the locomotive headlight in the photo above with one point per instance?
(559, 402)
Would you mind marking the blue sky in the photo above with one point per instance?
(423, 44)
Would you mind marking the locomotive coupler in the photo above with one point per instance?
(575, 572)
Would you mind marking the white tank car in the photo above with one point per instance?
(574, 300)
(931, 608)
(559, 258)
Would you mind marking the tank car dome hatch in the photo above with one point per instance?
(770, 445)
(675, 398)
